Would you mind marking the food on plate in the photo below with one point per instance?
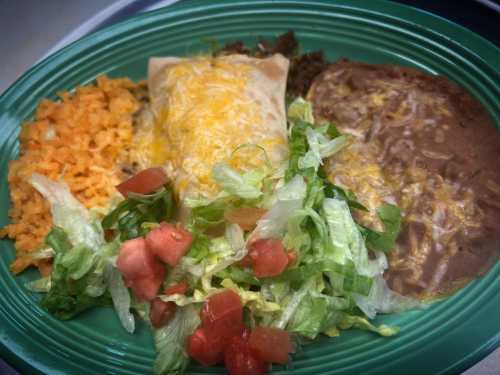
(246, 202)
(425, 144)
(303, 69)
(82, 139)
(207, 110)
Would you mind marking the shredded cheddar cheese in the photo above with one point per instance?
(208, 112)
(356, 167)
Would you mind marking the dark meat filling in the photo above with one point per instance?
(303, 67)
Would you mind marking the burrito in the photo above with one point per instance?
(208, 110)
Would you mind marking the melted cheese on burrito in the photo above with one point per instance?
(204, 108)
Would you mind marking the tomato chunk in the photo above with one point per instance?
(271, 344)
(140, 269)
(240, 359)
(147, 287)
(135, 260)
(169, 242)
(245, 334)
(203, 348)
(246, 261)
(245, 217)
(178, 288)
(269, 257)
(222, 315)
(161, 312)
(144, 182)
(221, 319)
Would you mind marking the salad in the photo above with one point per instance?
(242, 279)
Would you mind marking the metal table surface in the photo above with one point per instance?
(30, 31)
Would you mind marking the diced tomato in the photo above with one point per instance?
(144, 182)
(203, 348)
(271, 344)
(245, 217)
(246, 333)
(269, 257)
(221, 319)
(246, 261)
(169, 242)
(178, 288)
(240, 359)
(144, 289)
(161, 312)
(222, 315)
(147, 287)
(292, 257)
(135, 260)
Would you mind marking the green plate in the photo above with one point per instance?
(446, 338)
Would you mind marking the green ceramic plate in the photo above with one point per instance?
(446, 338)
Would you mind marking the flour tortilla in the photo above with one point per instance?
(265, 87)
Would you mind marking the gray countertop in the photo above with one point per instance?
(32, 28)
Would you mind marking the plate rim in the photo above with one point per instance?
(434, 20)
(475, 43)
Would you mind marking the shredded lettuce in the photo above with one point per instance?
(347, 241)
(354, 321)
(252, 188)
(298, 148)
(334, 191)
(289, 198)
(245, 186)
(381, 299)
(255, 301)
(309, 143)
(41, 285)
(293, 303)
(312, 158)
(221, 253)
(390, 216)
(120, 297)
(81, 278)
(68, 213)
(131, 214)
(239, 275)
(316, 314)
(309, 315)
(301, 109)
(78, 261)
(188, 266)
(319, 147)
(76, 281)
(344, 277)
(171, 357)
(66, 296)
(96, 281)
(301, 238)
(226, 251)
(349, 245)
(200, 247)
(208, 216)
(334, 275)
(199, 296)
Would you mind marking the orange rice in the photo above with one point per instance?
(81, 139)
